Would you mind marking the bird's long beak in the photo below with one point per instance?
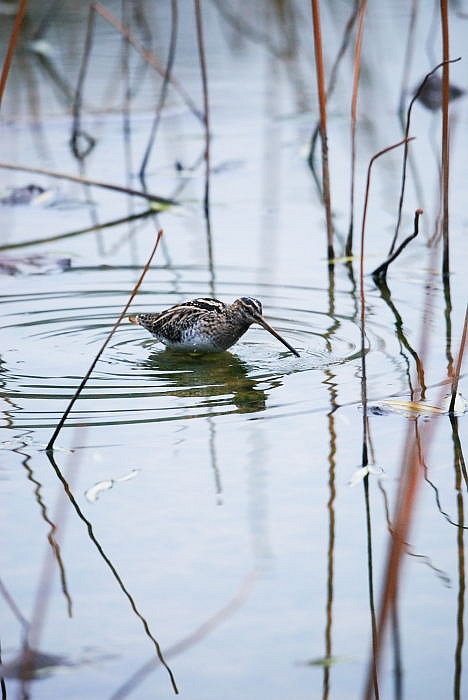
(260, 320)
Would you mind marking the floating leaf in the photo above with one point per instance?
(343, 259)
(92, 494)
(413, 409)
(130, 475)
(155, 205)
(44, 199)
(327, 661)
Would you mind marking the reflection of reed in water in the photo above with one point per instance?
(220, 378)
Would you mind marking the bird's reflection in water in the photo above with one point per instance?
(221, 378)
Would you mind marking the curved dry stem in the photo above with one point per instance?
(405, 153)
(86, 181)
(80, 232)
(380, 272)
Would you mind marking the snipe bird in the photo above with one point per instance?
(206, 325)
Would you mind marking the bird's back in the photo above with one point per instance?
(203, 324)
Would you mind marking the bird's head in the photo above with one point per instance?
(251, 311)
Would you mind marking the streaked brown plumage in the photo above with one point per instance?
(206, 325)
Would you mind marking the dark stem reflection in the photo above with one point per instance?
(332, 387)
(460, 469)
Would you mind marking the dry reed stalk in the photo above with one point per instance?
(331, 86)
(445, 138)
(322, 94)
(75, 396)
(354, 98)
(95, 183)
(80, 232)
(363, 225)
(11, 46)
(405, 153)
(50, 447)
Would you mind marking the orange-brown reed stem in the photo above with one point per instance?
(11, 46)
(445, 138)
(75, 396)
(354, 99)
(332, 84)
(322, 94)
(364, 217)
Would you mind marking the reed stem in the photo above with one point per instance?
(445, 139)
(11, 46)
(322, 94)
(77, 393)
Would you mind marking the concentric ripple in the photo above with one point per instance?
(52, 337)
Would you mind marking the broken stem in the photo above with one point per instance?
(380, 272)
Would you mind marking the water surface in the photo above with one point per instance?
(208, 498)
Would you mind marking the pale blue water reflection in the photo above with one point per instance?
(239, 538)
